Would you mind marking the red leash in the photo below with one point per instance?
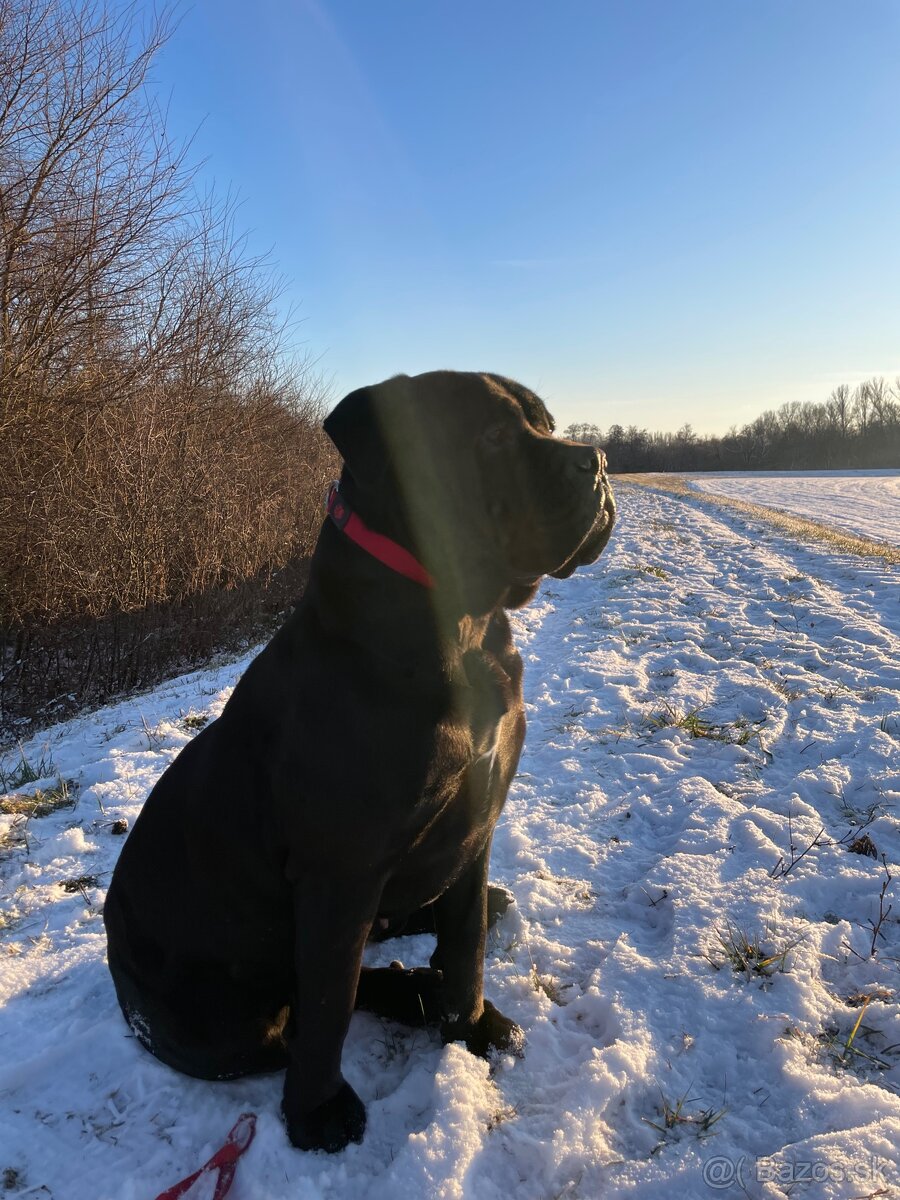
(224, 1161)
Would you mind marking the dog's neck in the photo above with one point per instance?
(384, 549)
(357, 597)
(463, 583)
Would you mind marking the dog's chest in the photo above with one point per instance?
(475, 754)
(469, 745)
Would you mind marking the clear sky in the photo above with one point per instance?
(649, 211)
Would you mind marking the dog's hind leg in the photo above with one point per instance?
(422, 920)
(411, 996)
(211, 1040)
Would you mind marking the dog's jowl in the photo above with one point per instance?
(351, 786)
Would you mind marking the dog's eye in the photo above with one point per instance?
(496, 436)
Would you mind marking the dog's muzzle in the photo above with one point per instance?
(594, 542)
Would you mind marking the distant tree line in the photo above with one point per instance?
(853, 428)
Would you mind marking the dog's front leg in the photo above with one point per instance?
(461, 923)
(321, 1110)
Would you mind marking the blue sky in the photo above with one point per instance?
(649, 212)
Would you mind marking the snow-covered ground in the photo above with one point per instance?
(704, 696)
(863, 502)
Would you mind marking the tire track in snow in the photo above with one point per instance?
(670, 834)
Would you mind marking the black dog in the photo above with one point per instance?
(357, 771)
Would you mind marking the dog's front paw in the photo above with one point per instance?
(331, 1126)
(492, 1031)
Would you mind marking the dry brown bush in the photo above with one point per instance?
(152, 499)
(157, 444)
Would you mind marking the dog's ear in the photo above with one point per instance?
(370, 428)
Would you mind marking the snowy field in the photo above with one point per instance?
(714, 718)
(862, 502)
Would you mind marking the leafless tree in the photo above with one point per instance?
(862, 407)
(839, 408)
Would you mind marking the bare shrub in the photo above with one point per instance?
(157, 440)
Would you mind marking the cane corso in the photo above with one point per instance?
(353, 780)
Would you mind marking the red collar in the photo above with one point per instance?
(383, 548)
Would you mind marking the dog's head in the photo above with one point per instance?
(464, 469)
